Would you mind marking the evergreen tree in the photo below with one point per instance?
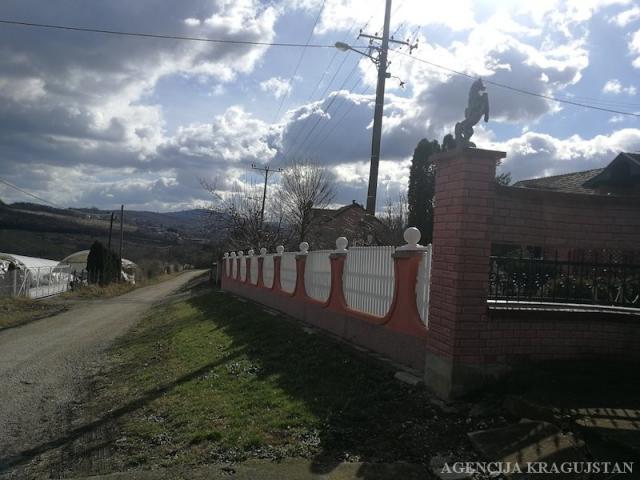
(422, 188)
(103, 265)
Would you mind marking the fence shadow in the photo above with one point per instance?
(365, 413)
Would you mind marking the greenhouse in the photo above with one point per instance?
(78, 263)
(32, 277)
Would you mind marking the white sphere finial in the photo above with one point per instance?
(240, 253)
(412, 237)
(279, 249)
(226, 254)
(263, 251)
(233, 254)
(251, 252)
(304, 247)
(341, 244)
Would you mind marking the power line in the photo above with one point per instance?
(163, 36)
(519, 90)
(295, 71)
(6, 182)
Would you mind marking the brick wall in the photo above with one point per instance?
(467, 342)
(563, 220)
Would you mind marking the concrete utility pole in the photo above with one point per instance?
(121, 233)
(266, 171)
(110, 231)
(377, 114)
(381, 61)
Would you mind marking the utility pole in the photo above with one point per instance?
(121, 235)
(266, 171)
(377, 115)
(110, 231)
(381, 61)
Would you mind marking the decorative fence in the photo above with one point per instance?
(267, 271)
(288, 274)
(36, 282)
(423, 284)
(369, 280)
(243, 267)
(317, 275)
(374, 296)
(254, 269)
(554, 281)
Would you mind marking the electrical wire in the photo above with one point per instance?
(163, 36)
(295, 71)
(516, 89)
(32, 195)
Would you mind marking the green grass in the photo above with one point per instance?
(17, 310)
(213, 379)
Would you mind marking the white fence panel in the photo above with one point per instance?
(288, 271)
(254, 271)
(234, 268)
(423, 285)
(243, 268)
(267, 271)
(368, 279)
(317, 275)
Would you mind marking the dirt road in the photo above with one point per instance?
(42, 364)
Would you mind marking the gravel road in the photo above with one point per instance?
(42, 364)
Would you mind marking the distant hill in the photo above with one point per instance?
(40, 230)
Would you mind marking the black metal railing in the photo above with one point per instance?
(586, 282)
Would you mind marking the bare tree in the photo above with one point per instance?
(395, 217)
(236, 215)
(305, 186)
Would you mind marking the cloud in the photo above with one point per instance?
(277, 86)
(535, 155)
(626, 17)
(615, 87)
(634, 48)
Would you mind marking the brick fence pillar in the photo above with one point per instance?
(458, 315)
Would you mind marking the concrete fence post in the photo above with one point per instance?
(260, 283)
(300, 291)
(337, 301)
(403, 315)
(247, 270)
(277, 261)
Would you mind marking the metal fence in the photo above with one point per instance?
(36, 282)
(368, 279)
(422, 285)
(267, 271)
(584, 282)
(288, 272)
(317, 275)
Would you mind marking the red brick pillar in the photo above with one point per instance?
(456, 359)
(277, 260)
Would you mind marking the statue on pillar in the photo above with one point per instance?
(478, 106)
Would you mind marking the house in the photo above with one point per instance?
(351, 221)
(620, 178)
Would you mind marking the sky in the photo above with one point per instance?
(98, 120)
